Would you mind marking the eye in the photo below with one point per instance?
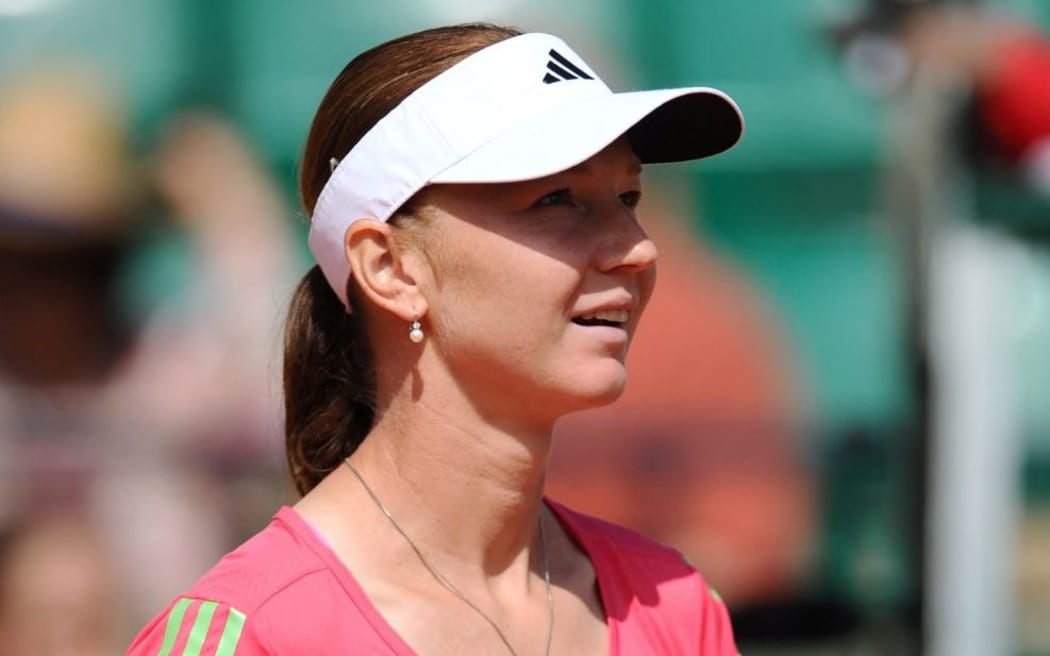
(631, 199)
(555, 198)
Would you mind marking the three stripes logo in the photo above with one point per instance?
(560, 69)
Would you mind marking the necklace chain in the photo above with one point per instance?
(452, 588)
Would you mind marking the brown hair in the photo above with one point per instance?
(329, 384)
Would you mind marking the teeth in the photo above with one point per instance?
(614, 316)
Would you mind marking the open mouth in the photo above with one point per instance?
(614, 318)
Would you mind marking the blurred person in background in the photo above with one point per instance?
(970, 86)
(993, 65)
(147, 423)
(59, 593)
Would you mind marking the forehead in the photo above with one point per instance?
(617, 157)
(616, 163)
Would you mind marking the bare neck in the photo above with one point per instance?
(468, 487)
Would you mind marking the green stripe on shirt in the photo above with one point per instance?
(171, 629)
(200, 629)
(231, 633)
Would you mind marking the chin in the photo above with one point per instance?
(589, 403)
(599, 389)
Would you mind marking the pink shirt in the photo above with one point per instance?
(284, 592)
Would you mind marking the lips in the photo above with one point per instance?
(614, 318)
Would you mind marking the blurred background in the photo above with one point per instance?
(837, 407)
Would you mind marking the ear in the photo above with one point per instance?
(383, 269)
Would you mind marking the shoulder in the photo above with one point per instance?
(226, 611)
(619, 541)
(270, 563)
(629, 561)
(652, 594)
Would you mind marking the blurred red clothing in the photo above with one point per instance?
(1013, 95)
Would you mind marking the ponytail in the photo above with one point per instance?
(329, 385)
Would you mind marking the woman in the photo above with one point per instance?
(481, 271)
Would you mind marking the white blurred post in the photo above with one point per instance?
(975, 462)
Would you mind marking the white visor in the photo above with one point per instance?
(520, 109)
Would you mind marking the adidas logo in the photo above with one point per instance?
(560, 69)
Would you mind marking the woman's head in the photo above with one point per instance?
(531, 289)
(482, 177)
(520, 109)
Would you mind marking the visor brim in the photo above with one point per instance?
(664, 125)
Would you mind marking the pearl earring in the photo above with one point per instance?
(415, 332)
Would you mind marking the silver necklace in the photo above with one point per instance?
(452, 588)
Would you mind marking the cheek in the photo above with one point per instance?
(511, 301)
(507, 274)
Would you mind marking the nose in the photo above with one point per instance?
(626, 246)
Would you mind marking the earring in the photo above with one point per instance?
(415, 332)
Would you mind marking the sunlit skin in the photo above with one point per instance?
(497, 274)
(514, 264)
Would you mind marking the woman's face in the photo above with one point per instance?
(536, 287)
